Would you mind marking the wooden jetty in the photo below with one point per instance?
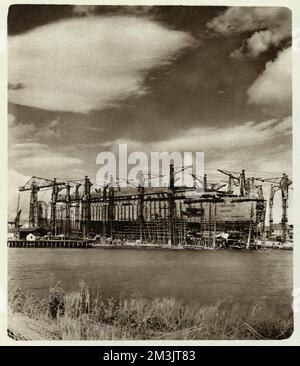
(48, 243)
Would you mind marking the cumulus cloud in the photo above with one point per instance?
(28, 156)
(260, 41)
(269, 26)
(17, 131)
(230, 144)
(264, 27)
(257, 147)
(28, 131)
(243, 136)
(273, 88)
(27, 152)
(89, 63)
(47, 160)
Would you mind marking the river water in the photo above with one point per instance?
(193, 277)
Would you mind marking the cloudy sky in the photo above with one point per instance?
(212, 79)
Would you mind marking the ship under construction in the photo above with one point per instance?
(172, 215)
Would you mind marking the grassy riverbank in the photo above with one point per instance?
(86, 316)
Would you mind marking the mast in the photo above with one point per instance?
(271, 200)
(250, 228)
(284, 185)
(141, 190)
(18, 213)
(171, 206)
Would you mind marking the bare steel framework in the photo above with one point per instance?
(151, 214)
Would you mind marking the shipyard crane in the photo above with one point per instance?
(85, 204)
(273, 189)
(171, 195)
(248, 190)
(18, 214)
(86, 207)
(34, 185)
(178, 170)
(141, 190)
(209, 189)
(236, 177)
(56, 188)
(110, 195)
(215, 187)
(77, 207)
(68, 199)
(103, 189)
(282, 184)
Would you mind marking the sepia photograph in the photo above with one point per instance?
(150, 173)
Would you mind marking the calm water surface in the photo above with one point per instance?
(201, 277)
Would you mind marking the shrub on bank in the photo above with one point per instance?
(83, 315)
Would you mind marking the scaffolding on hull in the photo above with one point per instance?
(164, 215)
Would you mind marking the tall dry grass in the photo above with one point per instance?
(87, 316)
